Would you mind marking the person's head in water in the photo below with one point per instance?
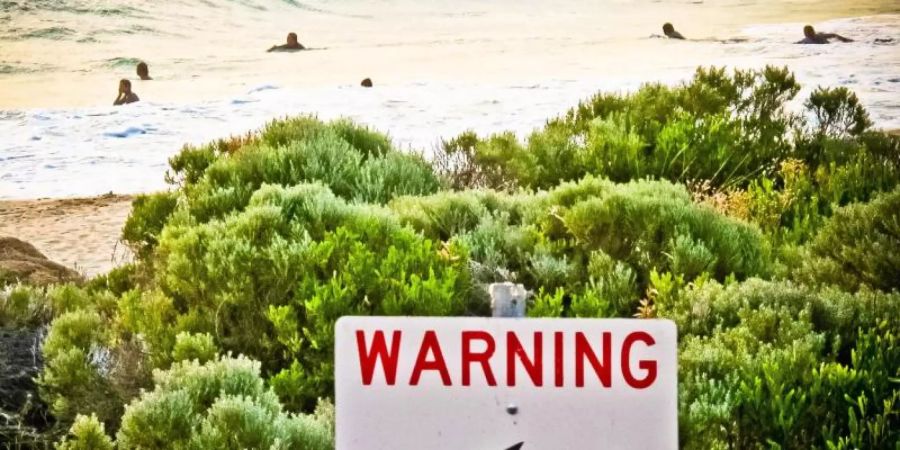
(143, 71)
(811, 36)
(125, 94)
(366, 83)
(290, 45)
(809, 31)
(670, 32)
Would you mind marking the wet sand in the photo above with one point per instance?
(80, 233)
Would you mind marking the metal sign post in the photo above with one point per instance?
(508, 299)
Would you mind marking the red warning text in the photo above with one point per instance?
(594, 358)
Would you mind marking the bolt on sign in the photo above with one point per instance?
(498, 384)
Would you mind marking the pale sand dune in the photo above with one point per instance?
(81, 233)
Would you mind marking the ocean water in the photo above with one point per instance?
(440, 67)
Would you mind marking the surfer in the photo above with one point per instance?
(291, 45)
(811, 37)
(143, 71)
(670, 32)
(125, 94)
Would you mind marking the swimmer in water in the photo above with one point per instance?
(125, 94)
(367, 82)
(670, 32)
(143, 71)
(811, 37)
(291, 45)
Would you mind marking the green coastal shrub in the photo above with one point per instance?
(220, 404)
(656, 231)
(776, 362)
(87, 433)
(118, 280)
(443, 215)
(68, 297)
(272, 280)
(613, 146)
(150, 316)
(859, 246)
(792, 205)
(731, 133)
(394, 175)
(322, 154)
(77, 358)
(149, 213)
(188, 166)
(24, 306)
(497, 248)
(672, 201)
(837, 112)
(220, 178)
(92, 366)
(456, 163)
(85, 366)
(609, 292)
(719, 127)
(189, 347)
(552, 239)
(371, 143)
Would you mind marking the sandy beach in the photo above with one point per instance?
(80, 233)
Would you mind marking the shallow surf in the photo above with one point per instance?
(438, 70)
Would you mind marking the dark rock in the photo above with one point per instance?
(23, 417)
(366, 83)
(20, 362)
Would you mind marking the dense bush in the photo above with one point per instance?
(550, 239)
(87, 433)
(733, 135)
(221, 404)
(189, 347)
(149, 213)
(23, 306)
(29, 306)
(716, 127)
(726, 129)
(89, 366)
(271, 280)
(266, 270)
(693, 202)
(638, 225)
(118, 280)
(779, 363)
(859, 246)
(77, 357)
(219, 178)
(837, 112)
